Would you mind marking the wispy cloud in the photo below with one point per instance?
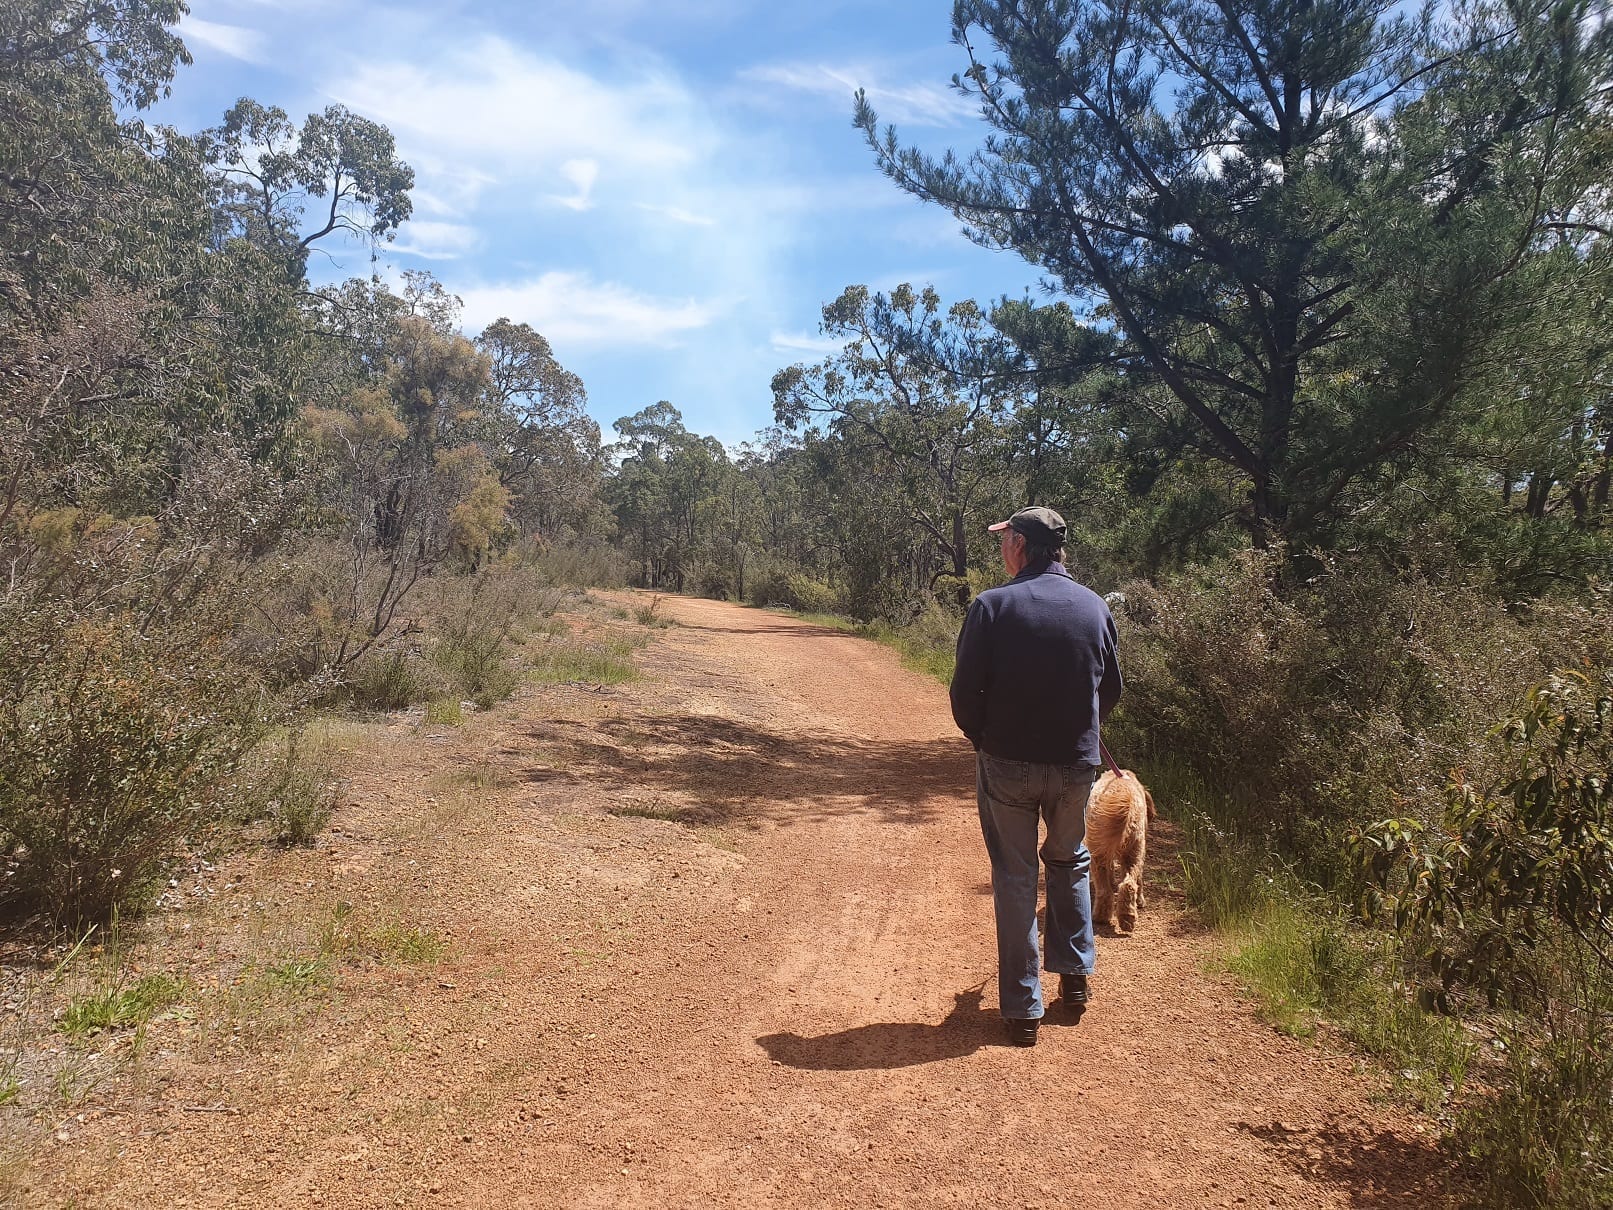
(236, 41)
(581, 174)
(576, 312)
(433, 240)
(913, 104)
(493, 102)
(678, 214)
(804, 342)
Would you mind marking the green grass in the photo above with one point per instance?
(1295, 949)
(649, 615)
(412, 945)
(445, 712)
(119, 1005)
(566, 661)
(300, 972)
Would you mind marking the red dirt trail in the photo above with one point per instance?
(722, 937)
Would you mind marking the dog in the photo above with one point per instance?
(1117, 836)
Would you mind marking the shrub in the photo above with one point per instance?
(393, 678)
(1511, 898)
(582, 565)
(293, 787)
(475, 619)
(809, 595)
(1321, 703)
(115, 746)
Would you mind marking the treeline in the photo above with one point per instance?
(1322, 386)
(221, 489)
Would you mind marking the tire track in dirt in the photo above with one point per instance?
(787, 998)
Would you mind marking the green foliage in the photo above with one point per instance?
(1299, 280)
(1509, 898)
(393, 679)
(1545, 1136)
(266, 169)
(119, 1005)
(923, 395)
(1314, 701)
(413, 945)
(553, 660)
(444, 712)
(1513, 869)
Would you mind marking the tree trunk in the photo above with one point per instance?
(960, 558)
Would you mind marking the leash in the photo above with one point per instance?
(1104, 748)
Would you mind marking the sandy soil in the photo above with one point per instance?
(721, 936)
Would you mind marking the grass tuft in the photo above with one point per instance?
(413, 945)
(557, 661)
(119, 1005)
(444, 712)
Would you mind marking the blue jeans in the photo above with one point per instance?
(1012, 794)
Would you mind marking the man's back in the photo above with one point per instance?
(1036, 669)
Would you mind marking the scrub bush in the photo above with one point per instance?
(115, 745)
(1508, 901)
(1325, 702)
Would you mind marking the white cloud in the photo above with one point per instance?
(574, 311)
(805, 342)
(912, 104)
(453, 189)
(492, 102)
(432, 240)
(678, 214)
(236, 41)
(582, 174)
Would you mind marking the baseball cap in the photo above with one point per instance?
(1040, 525)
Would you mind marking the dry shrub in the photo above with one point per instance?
(476, 621)
(292, 785)
(581, 565)
(115, 743)
(393, 677)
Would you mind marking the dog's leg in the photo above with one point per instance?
(1102, 894)
(1142, 857)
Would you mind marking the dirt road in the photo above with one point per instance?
(723, 937)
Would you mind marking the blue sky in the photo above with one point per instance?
(670, 192)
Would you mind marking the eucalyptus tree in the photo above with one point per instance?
(548, 448)
(925, 394)
(1299, 218)
(269, 174)
(663, 491)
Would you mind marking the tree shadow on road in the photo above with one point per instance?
(713, 770)
(891, 1044)
(1373, 1168)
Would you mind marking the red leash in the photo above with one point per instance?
(1104, 748)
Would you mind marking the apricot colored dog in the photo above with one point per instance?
(1117, 835)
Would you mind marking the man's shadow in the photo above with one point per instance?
(891, 1044)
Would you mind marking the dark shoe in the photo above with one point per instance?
(1074, 993)
(1022, 1030)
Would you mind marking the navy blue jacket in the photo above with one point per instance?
(1037, 669)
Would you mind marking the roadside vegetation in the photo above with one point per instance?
(1323, 390)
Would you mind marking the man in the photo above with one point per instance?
(1036, 674)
